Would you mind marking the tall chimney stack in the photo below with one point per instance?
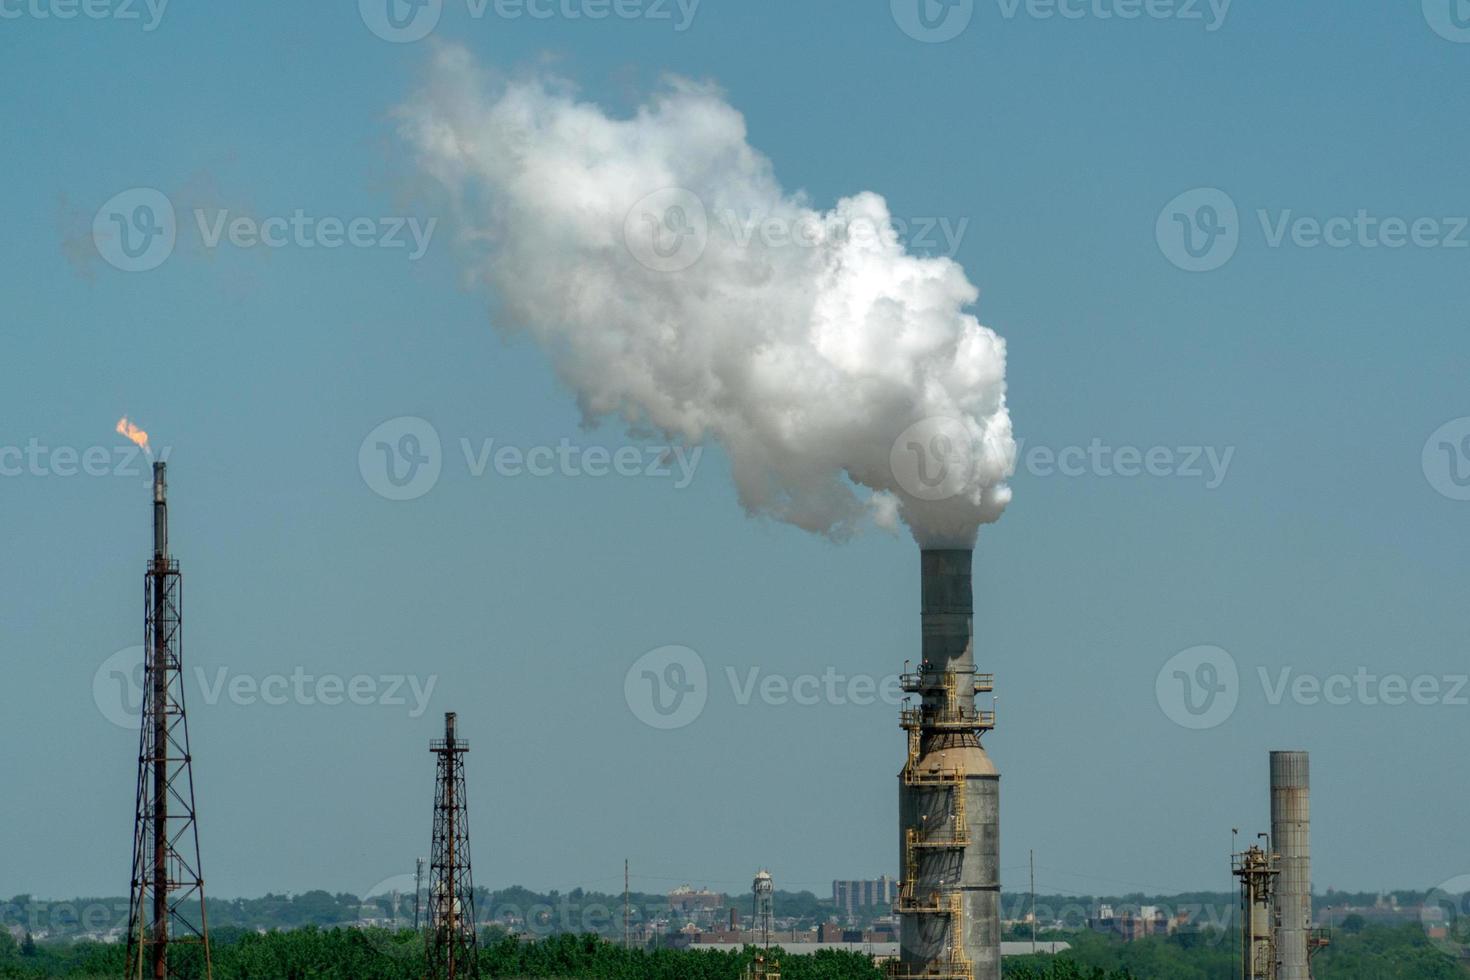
(1291, 838)
(160, 509)
(949, 791)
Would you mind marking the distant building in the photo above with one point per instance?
(849, 896)
(882, 952)
(831, 932)
(1134, 923)
(686, 900)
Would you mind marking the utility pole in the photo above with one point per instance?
(418, 888)
(1033, 902)
(627, 938)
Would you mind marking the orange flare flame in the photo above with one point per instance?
(137, 435)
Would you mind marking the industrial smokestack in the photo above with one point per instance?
(160, 509)
(1291, 838)
(949, 791)
(947, 606)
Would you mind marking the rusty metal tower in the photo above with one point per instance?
(1258, 869)
(167, 880)
(452, 945)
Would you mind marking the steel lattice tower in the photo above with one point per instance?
(452, 945)
(167, 879)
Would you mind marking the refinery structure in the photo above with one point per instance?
(947, 899)
(166, 909)
(1276, 935)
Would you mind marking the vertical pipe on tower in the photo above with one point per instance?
(1291, 837)
(160, 509)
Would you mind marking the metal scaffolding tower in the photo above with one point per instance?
(1258, 869)
(167, 881)
(761, 969)
(453, 947)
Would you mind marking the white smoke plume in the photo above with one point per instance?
(675, 284)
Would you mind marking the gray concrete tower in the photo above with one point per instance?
(1291, 838)
(949, 793)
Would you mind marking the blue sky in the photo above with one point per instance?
(1333, 540)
